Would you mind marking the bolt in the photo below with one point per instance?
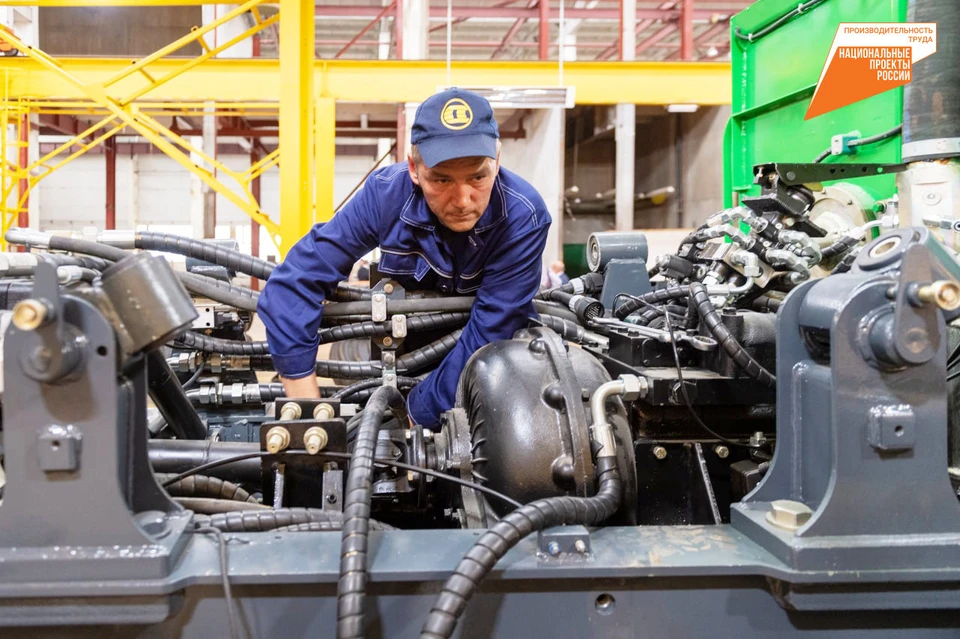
(331, 498)
(659, 452)
(290, 411)
(788, 514)
(553, 548)
(410, 475)
(388, 288)
(278, 438)
(323, 411)
(29, 315)
(388, 341)
(943, 293)
(758, 439)
(315, 440)
(722, 451)
(580, 546)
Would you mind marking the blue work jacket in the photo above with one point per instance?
(499, 261)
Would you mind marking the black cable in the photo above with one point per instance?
(347, 456)
(206, 251)
(232, 619)
(686, 397)
(751, 37)
(373, 382)
(873, 139)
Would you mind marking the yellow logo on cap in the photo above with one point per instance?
(456, 115)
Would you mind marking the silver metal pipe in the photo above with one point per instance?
(630, 387)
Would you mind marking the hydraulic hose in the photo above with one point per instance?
(711, 318)
(507, 532)
(274, 518)
(570, 331)
(358, 490)
(630, 306)
(324, 526)
(205, 486)
(369, 384)
(208, 344)
(425, 305)
(839, 247)
(428, 355)
(590, 284)
(206, 286)
(585, 308)
(206, 251)
(208, 506)
(177, 456)
(767, 303)
(415, 324)
(169, 397)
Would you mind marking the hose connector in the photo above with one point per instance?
(315, 439)
(28, 236)
(631, 388)
(278, 439)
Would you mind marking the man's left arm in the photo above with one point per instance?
(503, 304)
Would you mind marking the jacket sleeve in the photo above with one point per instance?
(291, 303)
(503, 304)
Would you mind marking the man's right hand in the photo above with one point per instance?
(302, 388)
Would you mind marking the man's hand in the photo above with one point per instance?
(302, 388)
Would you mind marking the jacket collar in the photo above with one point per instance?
(416, 212)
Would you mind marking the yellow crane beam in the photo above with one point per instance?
(230, 80)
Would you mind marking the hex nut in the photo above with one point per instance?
(660, 452)
(788, 514)
(633, 387)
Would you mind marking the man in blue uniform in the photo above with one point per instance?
(448, 219)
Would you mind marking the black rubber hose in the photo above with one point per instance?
(424, 305)
(177, 456)
(767, 303)
(370, 384)
(86, 274)
(206, 251)
(570, 331)
(651, 314)
(415, 324)
(507, 533)
(711, 318)
(585, 308)
(839, 247)
(346, 293)
(324, 526)
(591, 283)
(208, 506)
(358, 490)
(169, 397)
(208, 287)
(207, 344)
(658, 296)
(59, 259)
(426, 356)
(205, 486)
(274, 518)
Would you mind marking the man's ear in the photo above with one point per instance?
(412, 167)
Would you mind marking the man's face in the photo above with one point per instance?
(457, 191)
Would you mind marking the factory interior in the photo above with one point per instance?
(479, 318)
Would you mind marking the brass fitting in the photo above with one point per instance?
(29, 315)
(290, 411)
(943, 293)
(278, 438)
(315, 439)
(323, 411)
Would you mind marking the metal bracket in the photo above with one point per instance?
(794, 174)
(568, 541)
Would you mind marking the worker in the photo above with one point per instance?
(448, 219)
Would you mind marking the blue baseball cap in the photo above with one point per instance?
(454, 124)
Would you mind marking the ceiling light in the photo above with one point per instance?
(682, 108)
(525, 97)
(713, 52)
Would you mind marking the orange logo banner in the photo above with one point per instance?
(868, 58)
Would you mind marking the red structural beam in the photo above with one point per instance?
(707, 38)
(662, 33)
(398, 28)
(64, 124)
(640, 28)
(383, 12)
(686, 30)
(493, 44)
(441, 27)
(511, 32)
(543, 37)
(110, 157)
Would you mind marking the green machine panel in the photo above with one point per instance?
(774, 77)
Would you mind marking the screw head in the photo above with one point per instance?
(331, 498)
(553, 548)
(388, 288)
(388, 341)
(660, 452)
(30, 314)
(722, 451)
(580, 546)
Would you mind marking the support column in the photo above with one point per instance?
(110, 157)
(416, 21)
(210, 149)
(325, 155)
(254, 227)
(296, 91)
(23, 184)
(626, 116)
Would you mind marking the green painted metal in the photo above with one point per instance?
(774, 77)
